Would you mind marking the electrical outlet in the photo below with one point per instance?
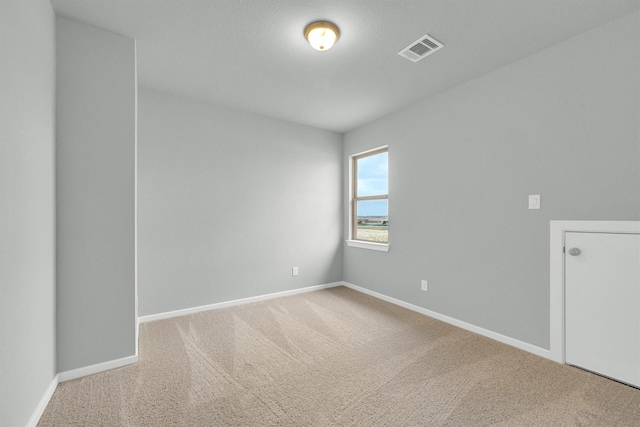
(534, 201)
(294, 271)
(424, 285)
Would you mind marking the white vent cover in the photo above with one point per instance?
(421, 48)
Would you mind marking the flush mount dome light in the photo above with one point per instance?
(321, 35)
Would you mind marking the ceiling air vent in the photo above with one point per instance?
(421, 48)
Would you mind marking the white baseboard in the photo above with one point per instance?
(42, 405)
(94, 369)
(219, 305)
(455, 322)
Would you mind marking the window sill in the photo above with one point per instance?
(383, 247)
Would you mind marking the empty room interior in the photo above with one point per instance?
(319, 213)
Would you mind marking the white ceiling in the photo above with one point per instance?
(251, 54)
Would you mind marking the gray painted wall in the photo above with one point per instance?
(563, 123)
(95, 155)
(27, 233)
(229, 201)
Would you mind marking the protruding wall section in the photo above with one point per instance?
(96, 93)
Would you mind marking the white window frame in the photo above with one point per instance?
(353, 222)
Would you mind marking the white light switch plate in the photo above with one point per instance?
(534, 201)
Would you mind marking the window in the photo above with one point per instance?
(370, 197)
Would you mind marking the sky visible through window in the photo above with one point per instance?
(373, 179)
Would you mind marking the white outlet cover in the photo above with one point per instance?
(534, 201)
(294, 271)
(423, 285)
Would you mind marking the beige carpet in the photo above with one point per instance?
(334, 358)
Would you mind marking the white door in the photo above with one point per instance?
(602, 304)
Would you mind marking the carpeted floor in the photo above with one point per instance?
(334, 357)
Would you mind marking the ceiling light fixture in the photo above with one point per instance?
(321, 35)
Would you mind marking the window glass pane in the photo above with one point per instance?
(373, 221)
(373, 175)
